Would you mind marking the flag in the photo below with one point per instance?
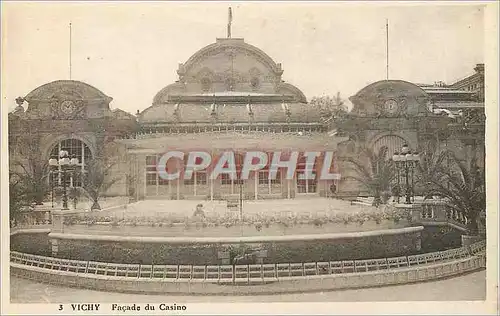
(230, 17)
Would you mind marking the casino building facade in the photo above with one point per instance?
(230, 96)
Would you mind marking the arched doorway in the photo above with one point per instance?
(76, 149)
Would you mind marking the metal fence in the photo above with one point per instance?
(243, 273)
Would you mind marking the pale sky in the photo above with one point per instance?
(130, 50)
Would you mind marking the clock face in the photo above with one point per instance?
(391, 106)
(67, 107)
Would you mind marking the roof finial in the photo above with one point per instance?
(229, 21)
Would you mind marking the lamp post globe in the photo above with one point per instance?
(62, 166)
(405, 163)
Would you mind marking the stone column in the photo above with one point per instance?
(179, 188)
(54, 246)
(141, 176)
(57, 221)
(57, 227)
(418, 242)
(322, 184)
(224, 257)
(260, 256)
(249, 187)
(255, 181)
(216, 183)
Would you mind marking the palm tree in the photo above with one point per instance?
(31, 170)
(374, 170)
(97, 179)
(463, 186)
(17, 197)
(432, 165)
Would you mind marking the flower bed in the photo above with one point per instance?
(255, 224)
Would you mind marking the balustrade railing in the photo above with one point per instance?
(244, 273)
(440, 212)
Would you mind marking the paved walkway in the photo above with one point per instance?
(467, 287)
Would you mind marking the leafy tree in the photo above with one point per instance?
(373, 170)
(330, 107)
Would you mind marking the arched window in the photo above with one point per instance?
(392, 142)
(76, 149)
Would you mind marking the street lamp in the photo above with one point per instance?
(63, 165)
(406, 161)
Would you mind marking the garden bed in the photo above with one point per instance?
(202, 251)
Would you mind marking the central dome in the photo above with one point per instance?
(229, 66)
(229, 82)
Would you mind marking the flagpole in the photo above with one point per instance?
(387, 47)
(229, 21)
(70, 50)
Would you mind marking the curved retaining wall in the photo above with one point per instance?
(192, 250)
(279, 285)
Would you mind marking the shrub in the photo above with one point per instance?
(346, 220)
(317, 222)
(385, 196)
(258, 226)
(409, 218)
(396, 219)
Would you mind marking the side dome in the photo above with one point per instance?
(67, 99)
(390, 98)
(66, 89)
